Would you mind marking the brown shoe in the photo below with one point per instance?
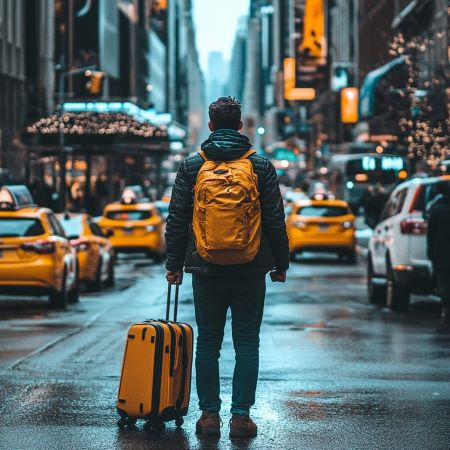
(242, 427)
(209, 424)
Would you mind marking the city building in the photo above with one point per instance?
(258, 92)
(329, 74)
(196, 104)
(102, 72)
(216, 79)
(186, 92)
(12, 85)
(403, 94)
(236, 75)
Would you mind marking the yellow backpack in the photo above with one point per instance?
(227, 215)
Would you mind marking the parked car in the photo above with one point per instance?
(397, 263)
(36, 257)
(322, 225)
(95, 254)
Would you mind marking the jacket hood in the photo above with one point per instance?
(226, 145)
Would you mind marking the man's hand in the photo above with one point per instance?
(174, 277)
(277, 276)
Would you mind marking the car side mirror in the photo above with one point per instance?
(109, 232)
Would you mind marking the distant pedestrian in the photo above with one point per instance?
(379, 201)
(366, 203)
(439, 248)
(226, 226)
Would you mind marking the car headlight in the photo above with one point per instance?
(150, 228)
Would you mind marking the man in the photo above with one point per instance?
(366, 202)
(240, 287)
(439, 248)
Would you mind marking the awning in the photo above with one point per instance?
(369, 85)
(101, 122)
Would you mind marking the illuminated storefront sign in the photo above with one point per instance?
(290, 91)
(313, 46)
(306, 72)
(349, 105)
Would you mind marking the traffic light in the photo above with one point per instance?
(95, 83)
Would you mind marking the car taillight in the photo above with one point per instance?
(43, 247)
(300, 224)
(80, 244)
(347, 224)
(413, 226)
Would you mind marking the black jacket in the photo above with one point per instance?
(439, 235)
(226, 145)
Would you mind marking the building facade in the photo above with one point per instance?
(136, 50)
(393, 53)
(12, 84)
(236, 76)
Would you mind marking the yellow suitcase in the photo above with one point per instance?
(155, 382)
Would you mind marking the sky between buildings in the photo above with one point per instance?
(216, 22)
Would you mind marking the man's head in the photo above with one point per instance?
(225, 112)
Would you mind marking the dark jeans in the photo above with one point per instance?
(443, 281)
(212, 298)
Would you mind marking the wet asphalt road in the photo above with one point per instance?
(336, 373)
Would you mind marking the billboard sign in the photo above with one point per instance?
(349, 105)
(290, 91)
(311, 70)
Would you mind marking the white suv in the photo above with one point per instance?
(397, 263)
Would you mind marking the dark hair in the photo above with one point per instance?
(225, 112)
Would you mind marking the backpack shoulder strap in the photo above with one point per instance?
(248, 153)
(203, 155)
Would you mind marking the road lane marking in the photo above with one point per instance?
(57, 340)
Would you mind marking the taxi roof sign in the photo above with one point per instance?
(133, 194)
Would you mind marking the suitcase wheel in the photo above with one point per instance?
(155, 426)
(126, 422)
(179, 422)
(121, 423)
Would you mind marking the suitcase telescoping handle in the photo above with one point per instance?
(175, 311)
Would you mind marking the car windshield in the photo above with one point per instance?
(16, 227)
(73, 227)
(322, 211)
(128, 215)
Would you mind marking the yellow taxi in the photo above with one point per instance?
(137, 227)
(322, 225)
(36, 257)
(95, 254)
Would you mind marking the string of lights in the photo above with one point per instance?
(93, 123)
(424, 115)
